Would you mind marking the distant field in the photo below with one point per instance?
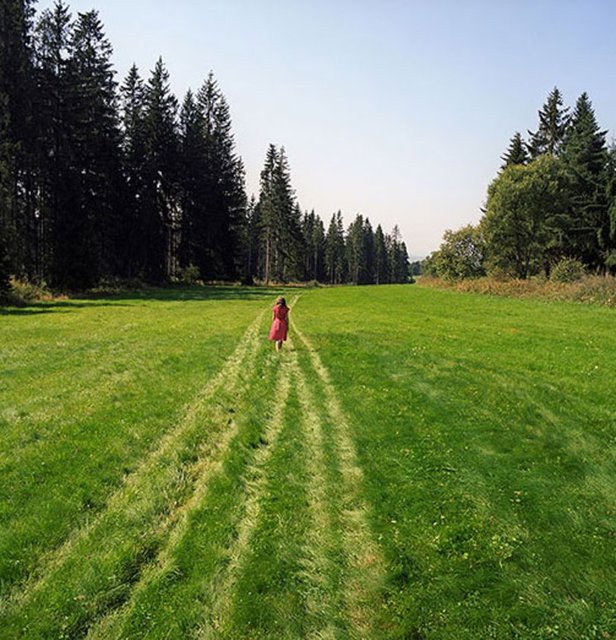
(417, 464)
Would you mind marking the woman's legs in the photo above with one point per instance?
(278, 345)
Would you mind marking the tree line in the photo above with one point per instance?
(553, 202)
(100, 180)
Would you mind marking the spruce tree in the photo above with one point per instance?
(397, 255)
(58, 191)
(318, 251)
(132, 248)
(368, 254)
(553, 123)
(611, 202)
(307, 225)
(16, 138)
(335, 250)
(313, 246)
(516, 153)
(161, 176)
(95, 141)
(268, 213)
(250, 242)
(355, 250)
(280, 220)
(193, 168)
(223, 199)
(381, 272)
(585, 158)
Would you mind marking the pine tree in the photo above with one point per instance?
(516, 153)
(585, 158)
(553, 124)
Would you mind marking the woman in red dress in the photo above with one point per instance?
(280, 323)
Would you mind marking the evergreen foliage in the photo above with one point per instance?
(586, 160)
(102, 180)
(16, 136)
(553, 125)
(516, 153)
(132, 250)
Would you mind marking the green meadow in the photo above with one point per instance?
(416, 464)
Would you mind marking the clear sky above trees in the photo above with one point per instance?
(398, 110)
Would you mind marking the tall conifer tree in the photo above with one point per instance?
(16, 139)
(161, 175)
(95, 140)
(57, 230)
(335, 250)
(192, 176)
(585, 158)
(132, 248)
(553, 124)
(516, 153)
(224, 198)
(381, 271)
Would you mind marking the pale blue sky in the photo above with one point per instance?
(398, 110)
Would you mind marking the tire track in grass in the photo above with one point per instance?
(365, 563)
(221, 596)
(223, 586)
(133, 501)
(320, 571)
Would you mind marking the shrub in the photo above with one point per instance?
(567, 270)
(23, 292)
(610, 262)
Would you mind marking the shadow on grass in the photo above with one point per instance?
(171, 294)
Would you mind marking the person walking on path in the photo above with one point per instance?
(280, 323)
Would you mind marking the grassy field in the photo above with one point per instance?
(416, 464)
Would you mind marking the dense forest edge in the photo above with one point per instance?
(104, 183)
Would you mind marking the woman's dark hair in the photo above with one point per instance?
(281, 302)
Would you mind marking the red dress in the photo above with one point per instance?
(280, 324)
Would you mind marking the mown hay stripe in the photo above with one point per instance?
(131, 497)
(366, 565)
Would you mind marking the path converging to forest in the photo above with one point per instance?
(250, 506)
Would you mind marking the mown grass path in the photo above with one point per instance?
(412, 465)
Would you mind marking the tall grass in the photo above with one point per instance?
(589, 289)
